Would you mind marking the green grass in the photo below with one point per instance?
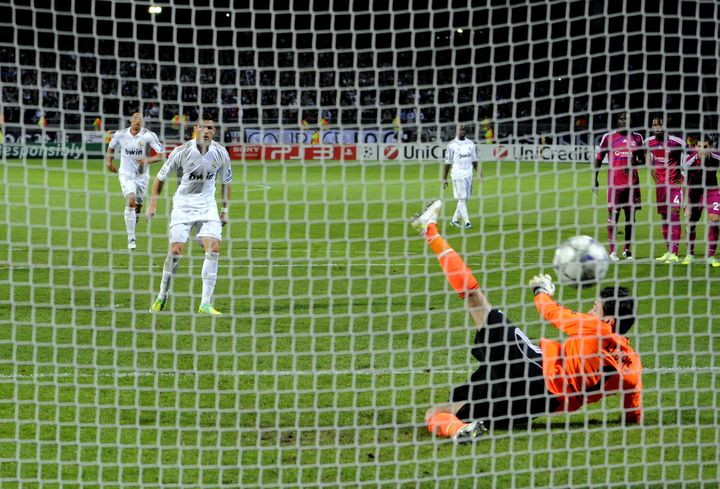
(339, 332)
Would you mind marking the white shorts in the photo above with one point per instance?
(134, 185)
(180, 232)
(463, 188)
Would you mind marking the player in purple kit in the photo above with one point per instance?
(700, 169)
(624, 150)
(664, 157)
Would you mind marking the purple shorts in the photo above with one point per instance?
(624, 197)
(668, 196)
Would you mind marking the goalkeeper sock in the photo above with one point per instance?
(444, 424)
(209, 277)
(458, 274)
(675, 232)
(713, 231)
(169, 269)
(130, 222)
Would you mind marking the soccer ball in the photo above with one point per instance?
(580, 261)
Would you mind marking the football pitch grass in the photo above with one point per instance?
(339, 332)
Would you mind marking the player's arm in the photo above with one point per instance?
(226, 171)
(168, 168)
(650, 164)
(448, 165)
(564, 319)
(475, 162)
(109, 159)
(158, 156)
(478, 306)
(153, 158)
(632, 399)
(599, 157)
(225, 199)
(154, 194)
(109, 156)
(446, 171)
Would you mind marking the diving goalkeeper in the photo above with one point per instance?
(517, 381)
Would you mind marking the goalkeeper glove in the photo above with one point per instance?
(542, 284)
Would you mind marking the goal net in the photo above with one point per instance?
(338, 329)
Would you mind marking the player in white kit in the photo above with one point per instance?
(461, 163)
(133, 172)
(201, 162)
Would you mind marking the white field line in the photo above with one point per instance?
(299, 373)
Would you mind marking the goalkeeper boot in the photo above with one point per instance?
(713, 262)
(664, 258)
(208, 309)
(672, 258)
(688, 259)
(627, 255)
(429, 215)
(470, 432)
(158, 305)
(614, 256)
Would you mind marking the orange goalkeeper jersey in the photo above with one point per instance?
(592, 363)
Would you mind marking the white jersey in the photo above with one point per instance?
(134, 148)
(194, 199)
(461, 154)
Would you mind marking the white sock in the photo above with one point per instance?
(169, 269)
(209, 277)
(130, 222)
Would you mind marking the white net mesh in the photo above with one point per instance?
(339, 329)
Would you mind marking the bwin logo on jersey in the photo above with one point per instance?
(464, 155)
(134, 152)
(200, 176)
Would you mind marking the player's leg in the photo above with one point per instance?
(442, 421)
(178, 236)
(141, 187)
(129, 190)
(462, 190)
(695, 214)
(210, 233)
(459, 195)
(632, 204)
(457, 273)
(629, 213)
(712, 201)
(675, 208)
(613, 217)
(130, 220)
(662, 210)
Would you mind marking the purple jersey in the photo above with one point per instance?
(702, 172)
(667, 158)
(620, 149)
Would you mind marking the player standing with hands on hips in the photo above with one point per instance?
(461, 158)
(133, 173)
(201, 161)
(664, 158)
